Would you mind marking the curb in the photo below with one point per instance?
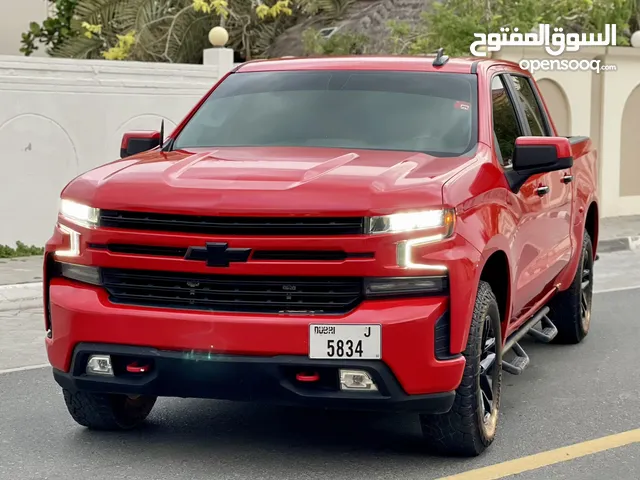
(20, 296)
(619, 244)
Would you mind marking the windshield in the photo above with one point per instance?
(404, 111)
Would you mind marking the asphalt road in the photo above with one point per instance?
(568, 394)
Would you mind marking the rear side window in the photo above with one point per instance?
(427, 112)
(505, 121)
(535, 118)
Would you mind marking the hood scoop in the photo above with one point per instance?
(211, 170)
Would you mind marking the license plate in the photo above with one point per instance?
(357, 342)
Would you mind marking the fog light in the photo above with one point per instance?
(356, 380)
(99, 365)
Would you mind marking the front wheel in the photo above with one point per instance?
(470, 426)
(106, 411)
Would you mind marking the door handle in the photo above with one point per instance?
(542, 190)
(567, 179)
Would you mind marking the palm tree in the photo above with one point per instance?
(167, 30)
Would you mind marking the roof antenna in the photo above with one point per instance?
(161, 133)
(441, 58)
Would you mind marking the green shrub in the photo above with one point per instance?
(21, 250)
(451, 24)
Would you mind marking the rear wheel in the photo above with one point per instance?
(470, 426)
(571, 309)
(108, 412)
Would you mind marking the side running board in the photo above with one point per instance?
(545, 334)
(519, 361)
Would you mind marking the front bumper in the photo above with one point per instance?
(80, 313)
(244, 378)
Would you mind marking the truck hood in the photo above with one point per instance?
(268, 181)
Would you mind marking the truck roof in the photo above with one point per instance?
(365, 62)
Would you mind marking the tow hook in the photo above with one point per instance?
(136, 368)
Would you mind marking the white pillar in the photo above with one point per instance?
(220, 56)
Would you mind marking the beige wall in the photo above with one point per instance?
(558, 104)
(15, 16)
(618, 161)
(630, 148)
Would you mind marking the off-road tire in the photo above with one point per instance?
(108, 412)
(463, 431)
(566, 312)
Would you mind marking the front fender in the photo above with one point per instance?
(465, 278)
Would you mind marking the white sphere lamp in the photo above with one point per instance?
(635, 39)
(218, 37)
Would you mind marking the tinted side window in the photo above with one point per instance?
(505, 122)
(535, 119)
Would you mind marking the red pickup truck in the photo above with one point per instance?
(372, 233)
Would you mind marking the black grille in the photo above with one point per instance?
(306, 226)
(302, 255)
(233, 293)
(279, 255)
(142, 250)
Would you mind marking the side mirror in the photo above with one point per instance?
(541, 154)
(534, 155)
(138, 142)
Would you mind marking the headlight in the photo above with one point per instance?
(440, 222)
(79, 214)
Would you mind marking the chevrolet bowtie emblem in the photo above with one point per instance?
(218, 254)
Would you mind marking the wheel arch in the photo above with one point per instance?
(496, 272)
(591, 225)
(588, 221)
(492, 265)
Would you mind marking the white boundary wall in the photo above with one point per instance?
(62, 117)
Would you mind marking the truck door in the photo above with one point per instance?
(527, 206)
(555, 222)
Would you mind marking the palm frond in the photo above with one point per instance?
(172, 31)
(192, 41)
(108, 13)
(79, 47)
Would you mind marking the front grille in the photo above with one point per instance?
(263, 226)
(142, 249)
(233, 293)
(262, 255)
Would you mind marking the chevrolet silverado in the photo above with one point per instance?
(368, 233)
